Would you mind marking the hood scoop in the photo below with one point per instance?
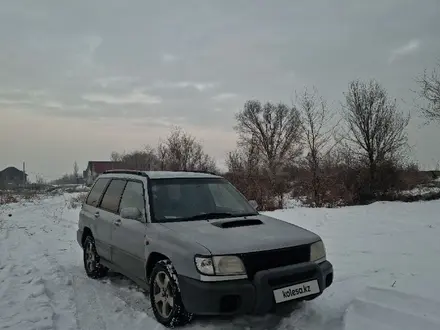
(236, 223)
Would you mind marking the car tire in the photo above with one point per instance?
(165, 297)
(93, 267)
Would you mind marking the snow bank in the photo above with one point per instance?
(421, 191)
(384, 309)
(385, 244)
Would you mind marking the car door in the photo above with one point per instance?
(129, 234)
(92, 218)
(108, 210)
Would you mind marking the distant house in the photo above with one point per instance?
(12, 177)
(94, 168)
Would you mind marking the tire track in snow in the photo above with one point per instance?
(128, 292)
(89, 311)
(37, 281)
(24, 302)
(63, 290)
(95, 306)
(113, 307)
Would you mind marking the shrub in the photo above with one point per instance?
(77, 200)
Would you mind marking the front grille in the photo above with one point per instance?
(257, 261)
(291, 280)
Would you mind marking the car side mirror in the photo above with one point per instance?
(254, 204)
(132, 213)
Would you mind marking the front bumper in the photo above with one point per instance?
(250, 297)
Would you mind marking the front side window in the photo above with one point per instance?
(226, 198)
(96, 192)
(133, 196)
(112, 196)
(185, 199)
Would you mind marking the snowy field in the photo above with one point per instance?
(385, 257)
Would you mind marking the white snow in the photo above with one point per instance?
(382, 308)
(385, 258)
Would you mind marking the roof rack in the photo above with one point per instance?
(197, 171)
(135, 172)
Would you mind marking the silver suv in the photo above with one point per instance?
(197, 245)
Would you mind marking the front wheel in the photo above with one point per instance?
(165, 297)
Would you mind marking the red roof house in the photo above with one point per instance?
(94, 168)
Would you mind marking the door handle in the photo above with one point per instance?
(96, 214)
(118, 222)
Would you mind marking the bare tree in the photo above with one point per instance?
(318, 131)
(429, 93)
(247, 173)
(116, 156)
(275, 129)
(76, 171)
(243, 160)
(181, 151)
(376, 130)
(161, 153)
(39, 179)
(145, 159)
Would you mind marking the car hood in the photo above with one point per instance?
(271, 234)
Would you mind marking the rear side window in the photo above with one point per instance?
(133, 196)
(96, 192)
(112, 196)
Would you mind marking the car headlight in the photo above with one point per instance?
(317, 252)
(220, 265)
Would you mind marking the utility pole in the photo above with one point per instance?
(24, 174)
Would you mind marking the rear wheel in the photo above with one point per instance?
(165, 297)
(93, 267)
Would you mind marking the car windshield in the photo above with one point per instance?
(188, 199)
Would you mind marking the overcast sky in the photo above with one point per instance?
(80, 79)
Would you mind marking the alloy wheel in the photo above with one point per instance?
(90, 257)
(163, 297)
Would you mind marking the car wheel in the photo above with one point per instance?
(165, 297)
(91, 260)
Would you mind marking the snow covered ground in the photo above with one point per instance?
(385, 258)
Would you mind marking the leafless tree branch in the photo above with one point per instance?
(429, 93)
(275, 132)
(318, 131)
(375, 129)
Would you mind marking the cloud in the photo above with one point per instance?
(163, 121)
(409, 48)
(240, 48)
(24, 93)
(135, 97)
(82, 57)
(18, 97)
(40, 105)
(14, 102)
(224, 96)
(87, 49)
(52, 104)
(105, 82)
(200, 86)
(169, 58)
